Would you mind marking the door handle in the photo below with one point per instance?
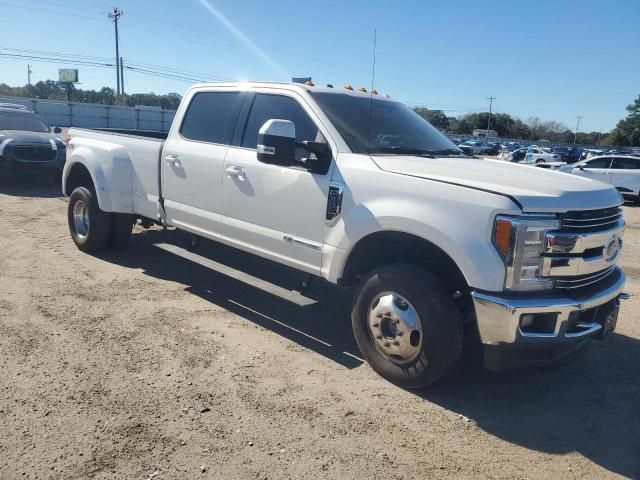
(172, 159)
(234, 171)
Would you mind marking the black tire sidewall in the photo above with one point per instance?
(99, 221)
(441, 325)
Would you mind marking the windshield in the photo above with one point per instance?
(24, 121)
(394, 127)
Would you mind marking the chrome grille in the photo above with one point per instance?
(591, 219)
(570, 283)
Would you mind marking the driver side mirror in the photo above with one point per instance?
(277, 142)
(57, 130)
(582, 166)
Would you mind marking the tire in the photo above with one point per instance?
(121, 227)
(440, 340)
(539, 161)
(89, 226)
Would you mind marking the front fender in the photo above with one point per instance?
(459, 224)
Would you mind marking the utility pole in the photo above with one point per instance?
(575, 137)
(122, 81)
(599, 135)
(115, 16)
(29, 72)
(491, 99)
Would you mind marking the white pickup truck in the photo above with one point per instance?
(355, 188)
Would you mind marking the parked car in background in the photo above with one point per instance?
(532, 155)
(473, 147)
(28, 144)
(623, 172)
(493, 148)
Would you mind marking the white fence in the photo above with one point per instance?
(92, 115)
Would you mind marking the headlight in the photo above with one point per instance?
(520, 242)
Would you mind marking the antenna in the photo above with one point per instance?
(373, 80)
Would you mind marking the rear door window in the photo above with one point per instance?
(210, 117)
(626, 164)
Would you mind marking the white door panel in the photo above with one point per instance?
(280, 209)
(598, 174)
(192, 184)
(627, 180)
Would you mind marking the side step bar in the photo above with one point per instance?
(243, 277)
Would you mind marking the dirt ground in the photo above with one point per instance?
(140, 365)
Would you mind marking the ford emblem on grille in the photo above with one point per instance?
(611, 248)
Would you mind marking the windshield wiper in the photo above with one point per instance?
(400, 150)
(448, 151)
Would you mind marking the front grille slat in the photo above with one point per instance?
(570, 283)
(591, 219)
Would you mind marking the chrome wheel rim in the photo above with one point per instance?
(81, 219)
(395, 328)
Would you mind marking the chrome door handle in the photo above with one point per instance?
(234, 171)
(172, 159)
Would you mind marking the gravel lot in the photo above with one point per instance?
(139, 365)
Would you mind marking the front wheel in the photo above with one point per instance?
(89, 226)
(406, 325)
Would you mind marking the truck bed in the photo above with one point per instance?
(130, 162)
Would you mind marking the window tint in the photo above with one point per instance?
(626, 164)
(599, 163)
(25, 121)
(379, 126)
(266, 107)
(208, 116)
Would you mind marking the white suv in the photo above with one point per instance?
(623, 172)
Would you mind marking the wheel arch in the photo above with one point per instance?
(393, 246)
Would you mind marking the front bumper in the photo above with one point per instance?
(573, 319)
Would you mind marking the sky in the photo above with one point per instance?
(549, 59)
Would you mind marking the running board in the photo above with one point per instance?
(243, 277)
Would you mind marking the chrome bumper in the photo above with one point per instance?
(499, 316)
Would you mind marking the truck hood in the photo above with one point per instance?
(536, 189)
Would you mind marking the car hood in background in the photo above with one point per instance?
(32, 138)
(536, 189)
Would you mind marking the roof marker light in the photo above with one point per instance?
(348, 87)
(328, 85)
(374, 92)
(309, 83)
(362, 89)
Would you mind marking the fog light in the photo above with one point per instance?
(538, 323)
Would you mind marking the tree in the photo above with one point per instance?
(437, 118)
(627, 131)
(52, 90)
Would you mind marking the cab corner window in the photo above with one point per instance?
(209, 115)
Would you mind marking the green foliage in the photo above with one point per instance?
(533, 128)
(437, 118)
(51, 90)
(627, 131)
